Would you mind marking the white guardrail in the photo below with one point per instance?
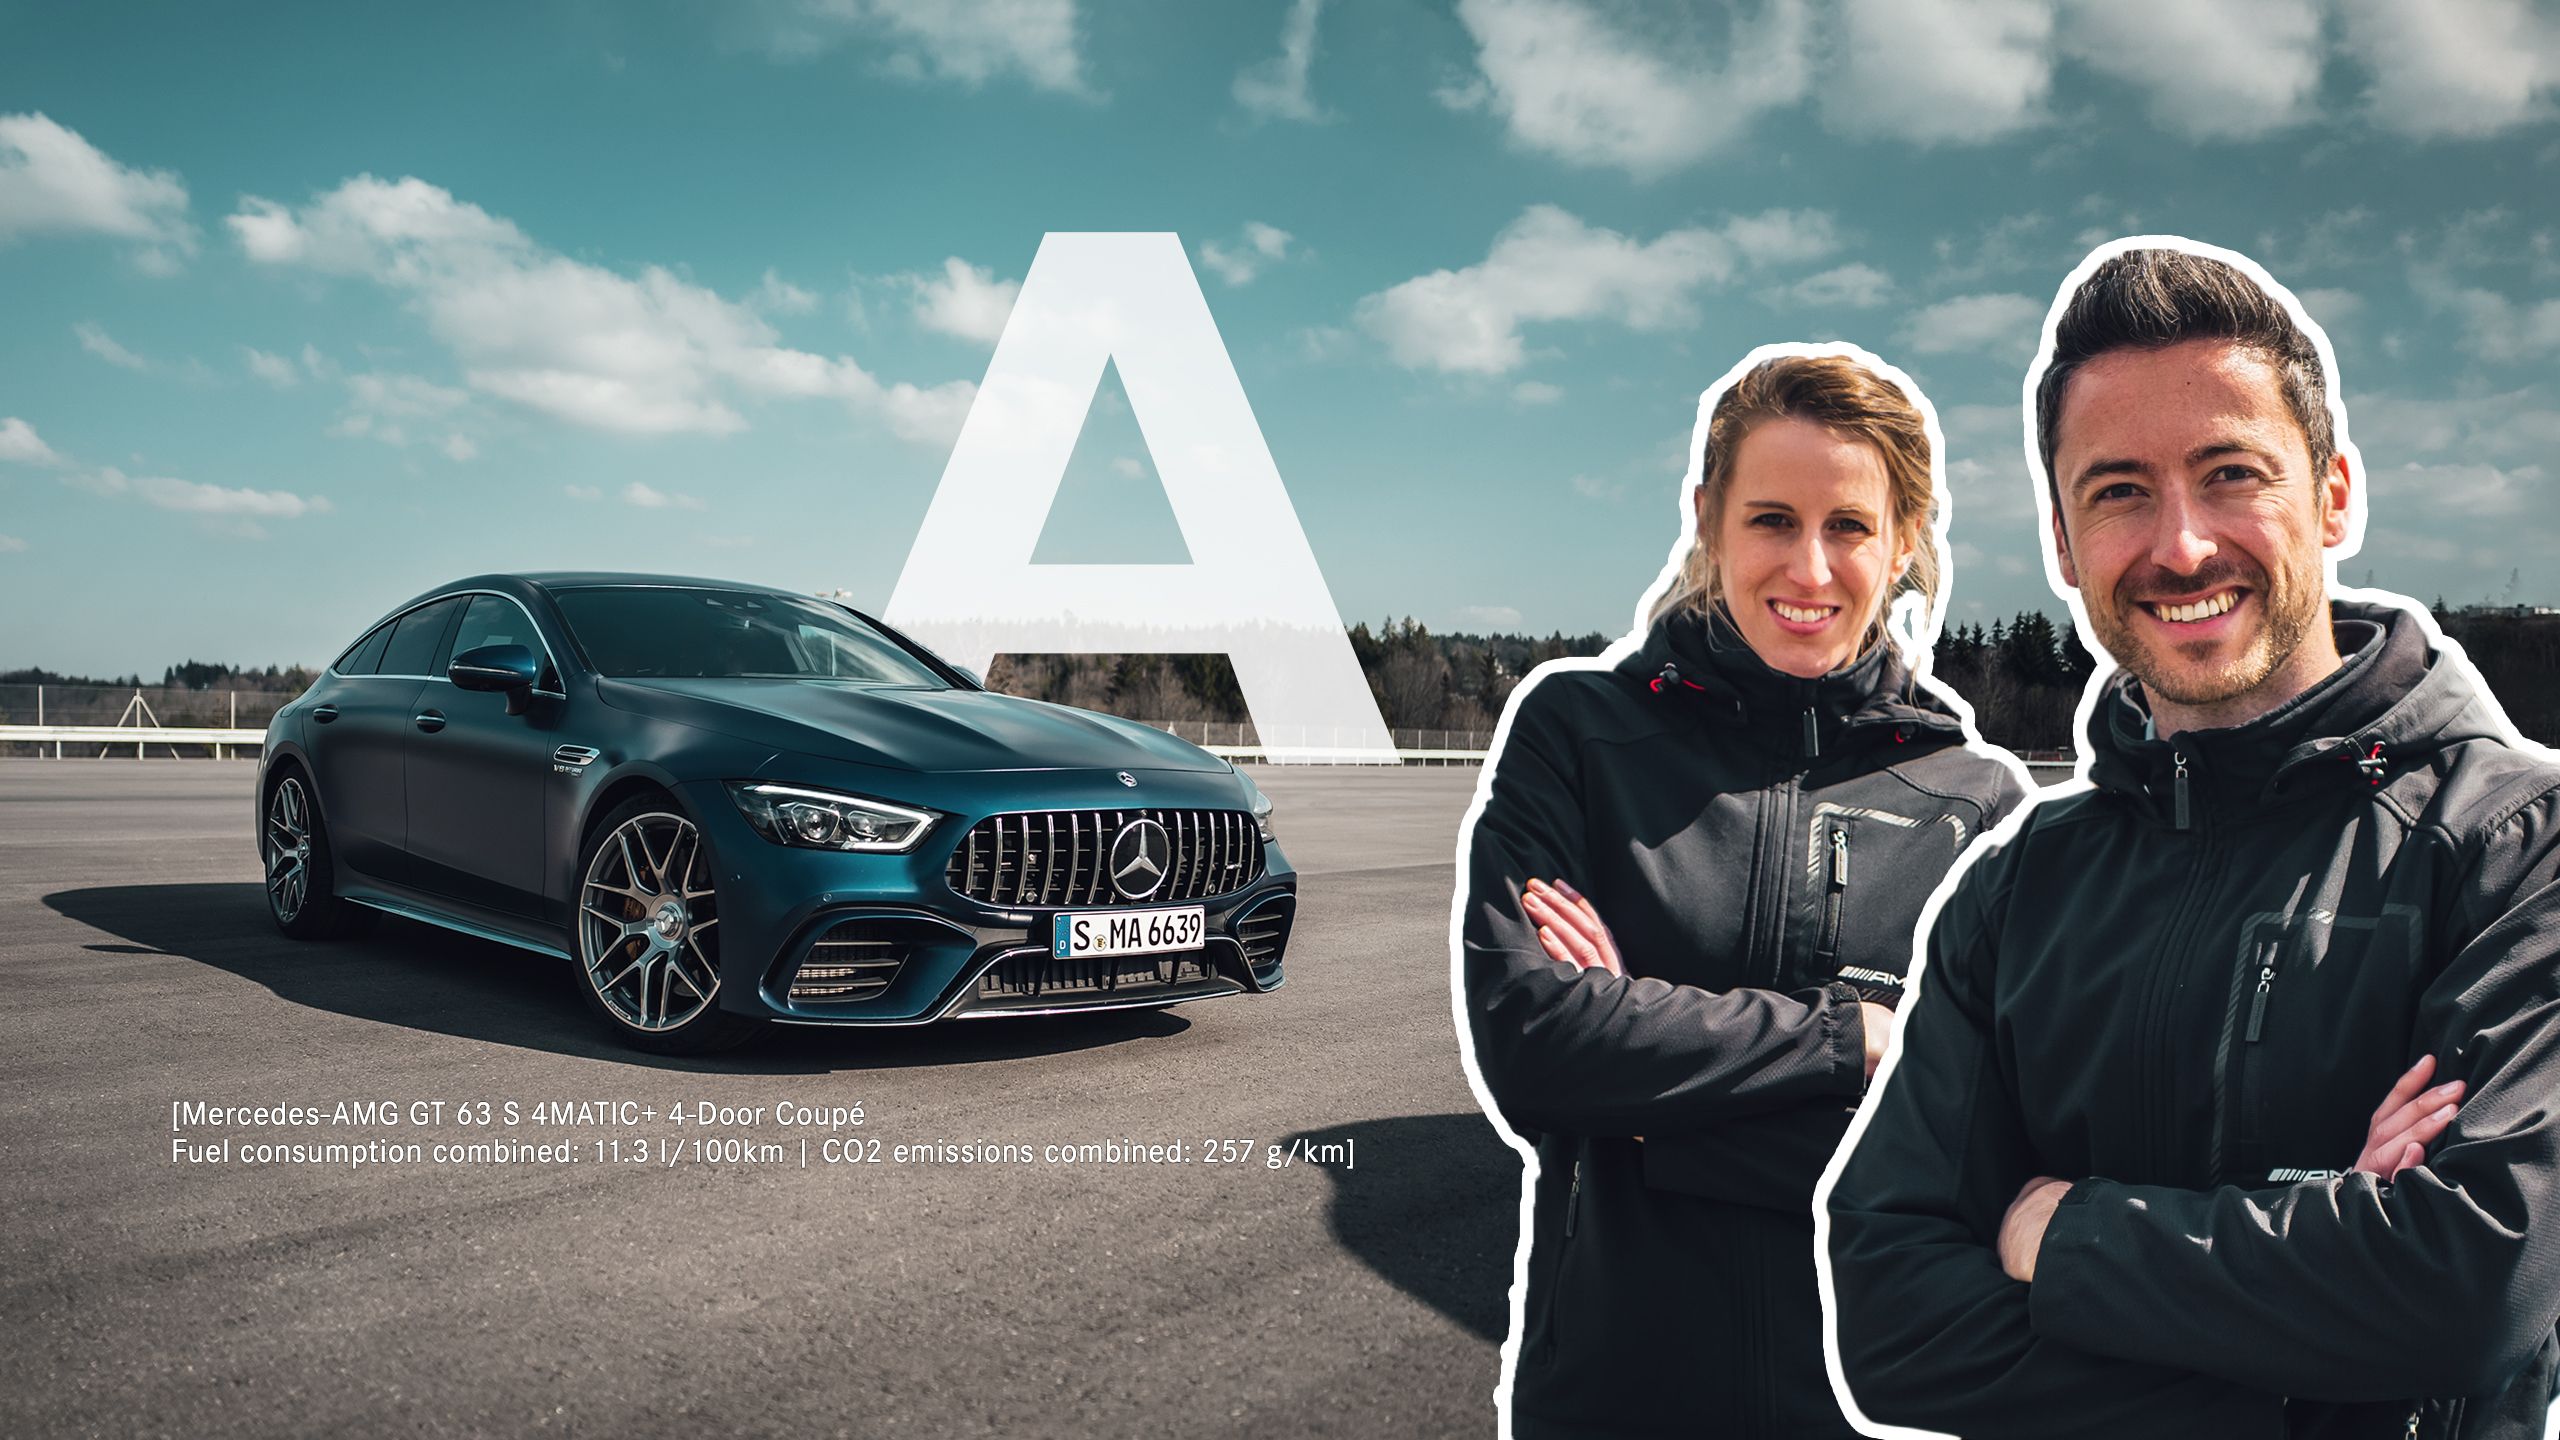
(113, 738)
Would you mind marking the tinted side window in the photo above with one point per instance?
(365, 656)
(415, 638)
(493, 621)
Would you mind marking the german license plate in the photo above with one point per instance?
(1128, 932)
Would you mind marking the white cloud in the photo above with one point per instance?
(650, 354)
(777, 296)
(12, 545)
(2392, 429)
(1994, 324)
(1549, 266)
(1536, 392)
(1853, 286)
(20, 443)
(2328, 307)
(1940, 71)
(972, 43)
(1596, 487)
(2213, 70)
(223, 510)
(198, 499)
(1571, 84)
(1131, 466)
(2008, 244)
(459, 448)
(54, 182)
(1276, 89)
(648, 498)
(2498, 329)
(1239, 262)
(273, 369)
(2454, 67)
(964, 300)
(384, 406)
(582, 492)
(1501, 617)
(2467, 490)
(95, 340)
(2331, 240)
(403, 396)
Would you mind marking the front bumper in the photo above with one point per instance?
(955, 958)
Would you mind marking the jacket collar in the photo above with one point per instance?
(2393, 700)
(1701, 659)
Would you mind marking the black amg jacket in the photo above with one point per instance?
(2185, 991)
(1760, 846)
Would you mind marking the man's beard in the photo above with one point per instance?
(2291, 602)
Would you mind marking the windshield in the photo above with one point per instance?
(678, 633)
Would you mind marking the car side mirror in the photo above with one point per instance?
(509, 670)
(973, 676)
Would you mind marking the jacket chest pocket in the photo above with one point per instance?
(2316, 1031)
(1865, 874)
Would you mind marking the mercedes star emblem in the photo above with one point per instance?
(1128, 779)
(1140, 854)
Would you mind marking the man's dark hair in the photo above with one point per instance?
(2152, 299)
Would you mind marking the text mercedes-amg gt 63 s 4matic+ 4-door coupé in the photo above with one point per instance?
(729, 805)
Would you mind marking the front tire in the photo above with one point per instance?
(647, 929)
(301, 870)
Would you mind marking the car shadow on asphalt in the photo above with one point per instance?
(400, 972)
(1431, 1204)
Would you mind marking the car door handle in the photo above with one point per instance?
(431, 721)
(325, 714)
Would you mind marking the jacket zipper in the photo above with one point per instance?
(1573, 1197)
(2267, 953)
(1836, 894)
(1766, 907)
(2167, 976)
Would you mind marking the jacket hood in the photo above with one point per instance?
(1703, 657)
(2394, 700)
(910, 727)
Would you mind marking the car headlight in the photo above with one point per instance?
(826, 820)
(1261, 805)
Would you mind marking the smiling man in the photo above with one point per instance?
(2127, 1168)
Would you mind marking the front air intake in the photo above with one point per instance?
(855, 960)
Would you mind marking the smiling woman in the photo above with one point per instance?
(1692, 884)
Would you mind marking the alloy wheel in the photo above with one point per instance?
(646, 915)
(288, 842)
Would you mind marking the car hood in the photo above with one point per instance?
(910, 727)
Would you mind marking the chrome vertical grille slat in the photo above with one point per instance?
(1060, 859)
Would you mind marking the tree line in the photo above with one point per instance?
(2023, 674)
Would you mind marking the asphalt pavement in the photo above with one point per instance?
(728, 1278)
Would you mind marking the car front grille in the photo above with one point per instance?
(1059, 857)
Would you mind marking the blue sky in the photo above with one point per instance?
(312, 307)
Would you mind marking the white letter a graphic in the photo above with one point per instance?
(1251, 591)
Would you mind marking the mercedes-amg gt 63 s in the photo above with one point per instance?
(729, 805)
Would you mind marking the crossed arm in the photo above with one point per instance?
(2150, 1302)
(1602, 1052)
